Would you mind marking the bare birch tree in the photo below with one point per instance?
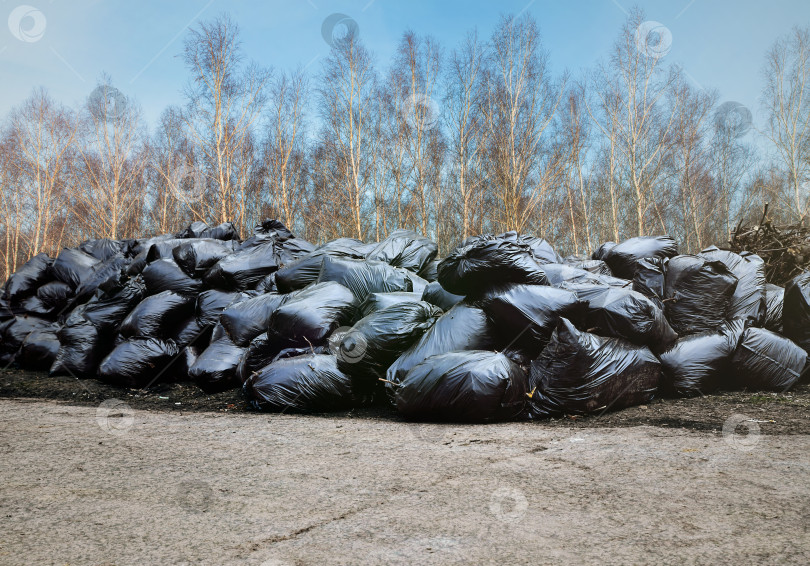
(284, 148)
(519, 106)
(225, 99)
(42, 134)
(631, 92)
(112, 165)
(348, 104)
(786, 98)
(466, 133)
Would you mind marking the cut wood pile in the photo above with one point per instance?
(785, 249)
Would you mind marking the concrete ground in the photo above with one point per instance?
(112, 485)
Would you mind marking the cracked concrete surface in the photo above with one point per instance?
(79, 486)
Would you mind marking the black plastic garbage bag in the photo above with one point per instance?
(165, 275)
(181, 366)
(307, 317)
(268, 284)
(8, 310)
(195, 257)
(542, 250)
(418, 284)
(259, 353)
(109, 311)
(157, 316)
(39, 350)
(609, 280)
(595, 266)
(765, 361)
(102, 249)
(367, 350)
(25, 281)
(524, 316)
(558, 273)
(463, 327)
(145, 244)
(16, 331)
(83, 346)
(582, 373)
(243, 269)
(405, 249)
(700, 363)
(215, 368)
(273, 227)
(219, 332)
(73, 267)
(310, 383)
(247, 319)
(796, 310)
(430, 272)
(344, 247)
(274, 231)
(377, 301)
(435, 294)
(774, 299)
(55, 294)
(211, 303)
(474, 268)
(193, 230)
(295, 352)
(263, 351)
(299, 273)
(292, 250)
(138, 264)
(623, 313)
(603, 250)
(748, 302)
(141, 362)
(190, 333)
(107, 276)
(649, 279)
(34, 306)
(472, 386)
(697, 294)
(363, 277)
(163, 249)
(225, 231)
(623, 258)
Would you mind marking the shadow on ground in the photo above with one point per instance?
(776, 413)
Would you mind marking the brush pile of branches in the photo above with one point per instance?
(785, 249)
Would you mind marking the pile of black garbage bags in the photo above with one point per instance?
(502, 328)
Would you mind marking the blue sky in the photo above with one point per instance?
(720, 43)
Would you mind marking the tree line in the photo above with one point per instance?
(481, 137)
